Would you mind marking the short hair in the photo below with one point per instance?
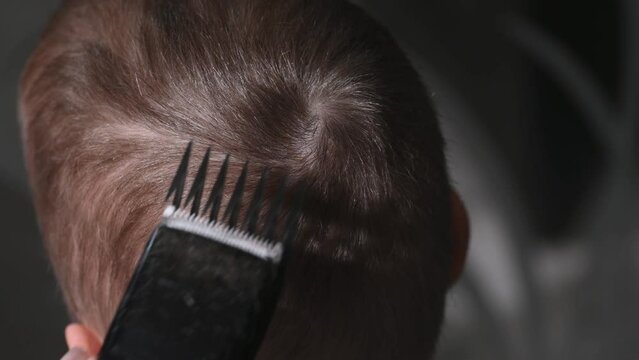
(314, 89)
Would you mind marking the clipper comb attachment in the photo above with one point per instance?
(208, 281)
(229, 229)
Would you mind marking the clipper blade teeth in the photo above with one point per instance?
(241, 240)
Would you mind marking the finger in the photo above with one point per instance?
(81, 337)
(77, 354)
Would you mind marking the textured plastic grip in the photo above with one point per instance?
(193, 298)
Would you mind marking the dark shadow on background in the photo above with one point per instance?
(31, 312)
(536, 127)
(32, 316)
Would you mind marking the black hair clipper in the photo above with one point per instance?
(205, 288)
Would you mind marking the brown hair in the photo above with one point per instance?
(315, 89)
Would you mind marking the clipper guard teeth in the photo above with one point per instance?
(197, 189)
(230, 217)
(215, 199)
(233, 208)
(177, 186)
(250, 222)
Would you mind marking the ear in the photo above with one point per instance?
(80, 337)
(460, 233)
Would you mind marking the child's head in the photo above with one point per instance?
(313, 88)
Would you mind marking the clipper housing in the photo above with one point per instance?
(206, 285)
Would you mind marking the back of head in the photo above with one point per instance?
(313, 89)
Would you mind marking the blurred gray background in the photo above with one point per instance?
(32, 316)
(539, 102)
